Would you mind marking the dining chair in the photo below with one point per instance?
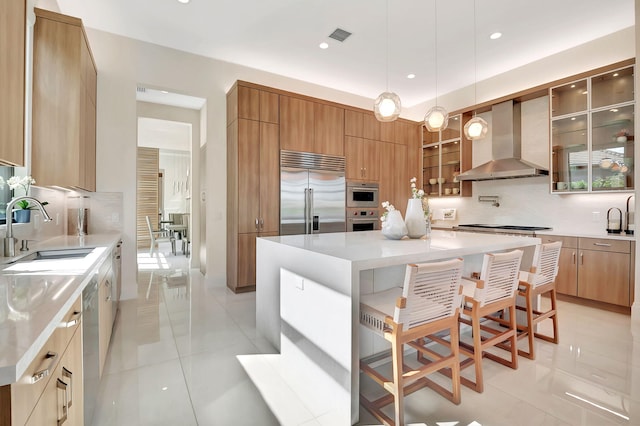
(158, 236)
(428, 303)
(541, 279)
(493, 292)
(186, 238)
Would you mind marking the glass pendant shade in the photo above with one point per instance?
(387, 107)
(476, 128)
(437, 118)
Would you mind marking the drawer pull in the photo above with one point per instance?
(65, 408)
(602, 244)
(73, 321)
(41, 374)
(69, 375)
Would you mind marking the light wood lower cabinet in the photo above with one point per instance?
(105, 311)
(38, 397)
(596, 269)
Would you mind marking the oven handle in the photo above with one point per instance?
(358, 219)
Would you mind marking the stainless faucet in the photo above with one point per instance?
(9, 240)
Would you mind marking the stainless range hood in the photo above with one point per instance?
(506, 148)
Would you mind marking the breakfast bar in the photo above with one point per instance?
(308, 297)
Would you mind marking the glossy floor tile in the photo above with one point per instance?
(181, 354)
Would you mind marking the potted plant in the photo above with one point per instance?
(23, 212)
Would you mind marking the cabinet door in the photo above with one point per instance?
(353, 122)
(329, 130)
(12, 63)
(296, 124)
(371, 127)
(387, 131)
(402, 186)
(387, 173)
(105, 317)
(269, 107)
(246, 260)
(604, 276)
(354, 155)
(269, 178)
(371, 163)
(248, 103)
(248, 175)
(567, 279)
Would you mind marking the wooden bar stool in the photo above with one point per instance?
(494, 292)
(541, 279)
(428, 303)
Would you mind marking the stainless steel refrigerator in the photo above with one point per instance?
(312, 193)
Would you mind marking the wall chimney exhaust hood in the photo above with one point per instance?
(505, 148)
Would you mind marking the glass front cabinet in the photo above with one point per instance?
(443, 156)
(592, 140)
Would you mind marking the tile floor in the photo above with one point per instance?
(173, 361)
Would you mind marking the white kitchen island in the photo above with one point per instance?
(308, 296)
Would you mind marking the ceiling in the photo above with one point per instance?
(282, 36)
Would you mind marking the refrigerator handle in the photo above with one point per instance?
(310, 211)
(306, 210)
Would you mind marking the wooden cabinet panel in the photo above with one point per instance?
(370, 127)
(297, 124)
(354, 155)
(12, 82)
(269, 107)
(387, 173)
(246, 260)
(604, 276)
(402, 188)
(269, 178)
(105, 316)
(371, 163)
(404, 132)
(248, 103)
(353, 122)
(328, 130)
(62, 103)
(387, 131)
(567, 279)
(248, 193)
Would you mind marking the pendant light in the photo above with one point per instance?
(387, 106)
(477, 127)
(437, 118)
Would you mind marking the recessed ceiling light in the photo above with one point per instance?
(183, 1)
(324, 45)
(573, 118)
(495, 36)
(614, 110)
(410, 76)
(573, 85)
(615, 74)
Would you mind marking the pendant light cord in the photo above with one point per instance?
(387, 40)
(435, 12)
(475, 59)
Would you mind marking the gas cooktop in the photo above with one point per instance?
(515, 229)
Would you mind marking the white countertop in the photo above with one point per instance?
(33, 301)
(370, 249)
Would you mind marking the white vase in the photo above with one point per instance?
(393, 227)
(414, 218)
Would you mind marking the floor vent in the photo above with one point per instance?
(340, 34)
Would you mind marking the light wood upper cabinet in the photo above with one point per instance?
(64, 92)
(248, 175)
(269, 107)
(362, 158)
(353, 123)
(12, 81)
(371, 127)
(248, 103)
(269, 178)
(388, 131)
(296, 124)
(329, 130)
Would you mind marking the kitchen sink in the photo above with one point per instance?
(56, 254)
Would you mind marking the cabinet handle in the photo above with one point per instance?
(582, 258)
(256, 223)
(65, 407)
(68, 374)
(107, 284)
(41, 374)
(73, 321)
(261, 223)
(573, 255)
(602, 244)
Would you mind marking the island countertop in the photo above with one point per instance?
(24, 331)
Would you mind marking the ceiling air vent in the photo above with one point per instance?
(141, 89)
(339, 34)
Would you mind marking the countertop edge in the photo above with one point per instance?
(10, 374)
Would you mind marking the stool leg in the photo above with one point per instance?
(398, 386)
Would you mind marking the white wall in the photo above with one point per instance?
(123, 63)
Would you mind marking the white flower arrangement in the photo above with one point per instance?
(389, 207)
(20, 182)
(419, 194)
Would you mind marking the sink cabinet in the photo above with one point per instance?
(12, 81)
(596, 269)
(64, 103)
(38, 397)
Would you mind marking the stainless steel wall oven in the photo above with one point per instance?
(362, 195)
